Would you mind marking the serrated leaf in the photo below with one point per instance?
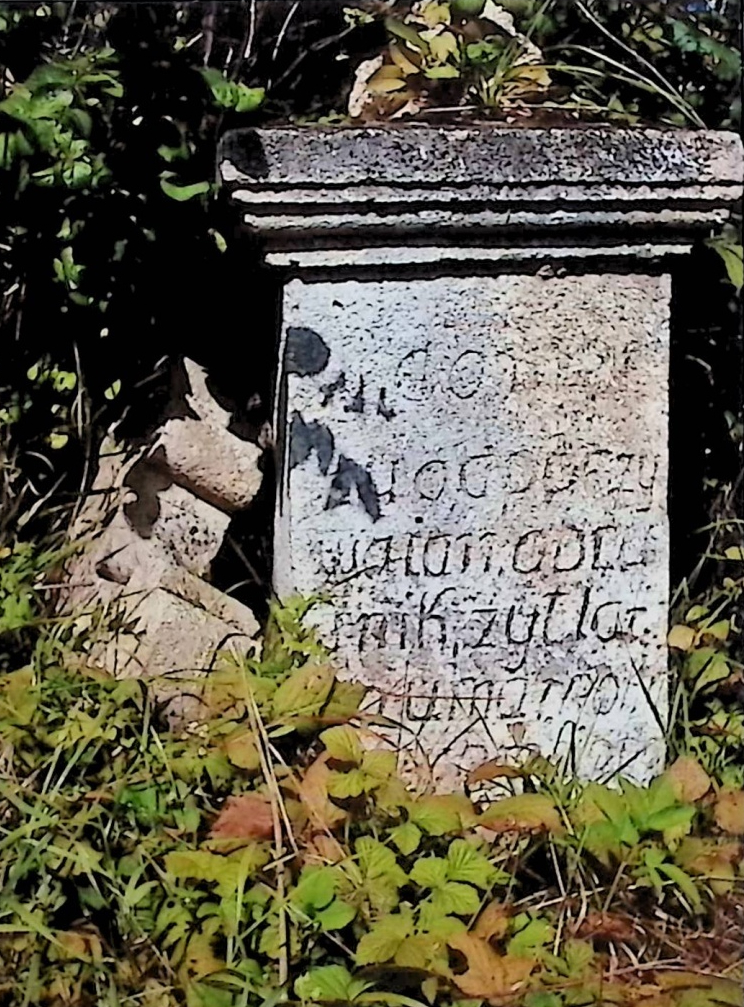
(406, 837)
(384, 938)
(466, 863)
(429, 872)
(345, 700)
(441, 926)
(378, 861)
(455, 899)
(536, 934)
(328, 983)
(349, 784)
(379, 765)
(249, 98)
(304, 692)
(439, 815)
(226, 871)
(343, 743)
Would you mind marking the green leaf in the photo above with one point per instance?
(535, 935)
(541, 998)
(350, 784)
(685, 884)
(378, 861)
(379, 765)
(315, 889)
(432, 921)
(453, 898)
(57, 440)
(181, 193)
(445, 72)
(578, 956)
(406, 837)
(383, 939)
(336, 916)
(671, 818)
(113, 390)
(304, 692)
(429, 872)
(226, 871)
(327, 984)
(705, 666)
(249, 98)
(466, 863)
(343, 743)
(345, 699)
(434, 817)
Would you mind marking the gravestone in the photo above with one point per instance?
(472, 418)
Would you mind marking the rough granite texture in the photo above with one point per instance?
(475, 465)
(202, 455)
(330, 157)
(146, 544)
(418, 185)
(476, 471)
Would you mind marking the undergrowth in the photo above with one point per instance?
(270, 852)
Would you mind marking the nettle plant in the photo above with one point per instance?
(271, 852)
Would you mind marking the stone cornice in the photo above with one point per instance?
(310, 190)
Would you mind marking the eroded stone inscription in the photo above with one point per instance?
(475, 470)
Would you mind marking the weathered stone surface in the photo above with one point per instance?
(135, 586)
(187, 532)
(472, 417)
(435, 156)
(325, 188)
(171, 642)
(476, 470)
(203, 456)
(184, 533)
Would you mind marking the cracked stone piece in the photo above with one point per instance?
(171, 642)
(203, 456)
(186, 534)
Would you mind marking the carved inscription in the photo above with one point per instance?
(478, 479)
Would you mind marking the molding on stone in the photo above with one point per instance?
(324, 188)
(536, 257)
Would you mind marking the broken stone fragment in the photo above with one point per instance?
(167, 640)
(203, 456)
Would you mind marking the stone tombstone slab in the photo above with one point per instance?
(472, 413)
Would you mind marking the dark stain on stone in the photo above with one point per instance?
(330, 389)
(357, 403)
(147, 478)
(383, 409)
(306, 353)
(349, 475)
(304, 438)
